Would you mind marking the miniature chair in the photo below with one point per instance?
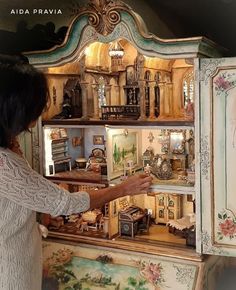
(101, 223)
(82, 225)
(144, 224)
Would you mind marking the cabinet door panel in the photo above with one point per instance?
(218, 155)
(30, 143)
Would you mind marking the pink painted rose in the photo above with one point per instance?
(228, 227)
(222, 83)
(152, 272)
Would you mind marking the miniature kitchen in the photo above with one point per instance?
(125, 102)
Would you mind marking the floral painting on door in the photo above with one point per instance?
(64, 269)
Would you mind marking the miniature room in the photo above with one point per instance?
(107, 77)
(81, 158)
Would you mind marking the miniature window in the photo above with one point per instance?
(188, 88)
(147, 76)
(158, 77)
(106, 209)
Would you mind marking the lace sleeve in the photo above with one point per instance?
(22, 185)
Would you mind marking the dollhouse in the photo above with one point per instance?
(124, 101)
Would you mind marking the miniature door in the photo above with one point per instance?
(217, 148)
(168, 207)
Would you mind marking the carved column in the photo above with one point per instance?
(142, 100)
(108, 94)
(84, 88)
(117, 96)
(95, 102)
(152, 100)
(169, 99)
(162, 99)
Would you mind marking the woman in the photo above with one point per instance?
(23, 97)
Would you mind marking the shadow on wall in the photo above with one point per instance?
(227, 280)
(40, 37)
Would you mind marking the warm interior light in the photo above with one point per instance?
(116, 50)
(87, 51)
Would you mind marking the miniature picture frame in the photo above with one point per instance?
(63, 132)
(77, 141)
(98, 140)
(123, 149)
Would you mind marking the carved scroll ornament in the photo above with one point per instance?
(103, 15)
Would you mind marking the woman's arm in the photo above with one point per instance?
(22, 185)
(136, 184)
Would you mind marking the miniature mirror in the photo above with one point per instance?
(177, 142)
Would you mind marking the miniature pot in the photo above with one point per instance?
(81, 162)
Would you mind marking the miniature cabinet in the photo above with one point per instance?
(168, 207)
(164, 110)
(59, 154)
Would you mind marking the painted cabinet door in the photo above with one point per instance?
(30, 143)
(217, 155)
(67, 267)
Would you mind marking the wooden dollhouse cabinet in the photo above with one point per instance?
(177, 85)
(168, 207)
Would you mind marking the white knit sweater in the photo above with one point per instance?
(23, 192)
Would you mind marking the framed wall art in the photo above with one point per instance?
(122, 150)
(98, 140)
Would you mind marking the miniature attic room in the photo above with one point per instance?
(111, 72)
(124, 102)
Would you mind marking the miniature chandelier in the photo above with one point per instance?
(116, 50)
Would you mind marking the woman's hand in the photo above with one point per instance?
(136, 184)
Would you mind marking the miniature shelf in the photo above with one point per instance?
(79, 122)
(180, 189)
(59, 140)
(78, 177)
(60, 160)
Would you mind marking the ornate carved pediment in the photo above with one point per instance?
(103, 15)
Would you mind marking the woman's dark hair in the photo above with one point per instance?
(23, 97)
